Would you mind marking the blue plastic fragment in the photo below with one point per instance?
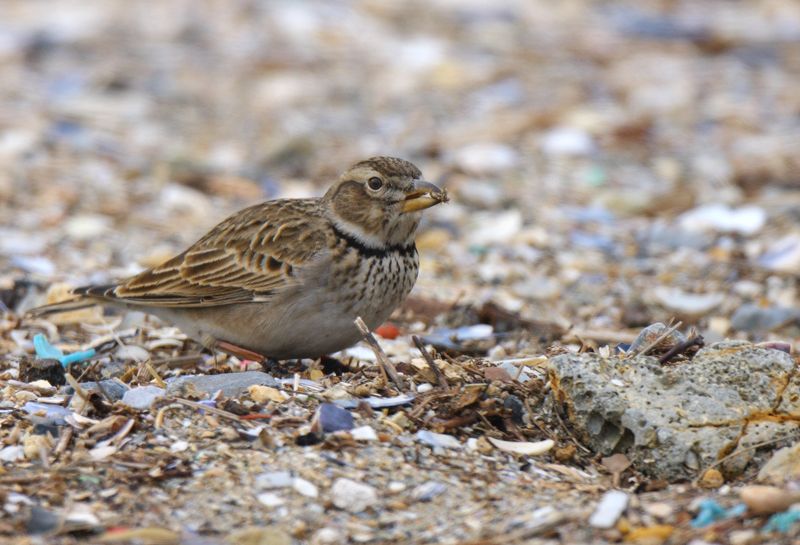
(782, 522)
(711, 511)
(45, 350)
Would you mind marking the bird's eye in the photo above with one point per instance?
(375, 183)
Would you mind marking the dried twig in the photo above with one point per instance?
(440, 378)
(680, 348)
(380, 354)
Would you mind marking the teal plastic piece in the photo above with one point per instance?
(45, 350)
(782, 522)
(711, 512)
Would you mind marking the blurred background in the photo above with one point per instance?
(611, 163)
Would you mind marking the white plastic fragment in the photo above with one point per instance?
(611, 506)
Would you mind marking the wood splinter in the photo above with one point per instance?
(386, 365)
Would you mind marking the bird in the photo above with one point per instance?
(285, 279)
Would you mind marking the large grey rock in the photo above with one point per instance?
(231, 384)
(673, 421)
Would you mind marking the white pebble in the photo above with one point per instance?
(351, 496)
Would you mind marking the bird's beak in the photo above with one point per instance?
(423, 195)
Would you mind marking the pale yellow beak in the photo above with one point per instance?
(424, 195)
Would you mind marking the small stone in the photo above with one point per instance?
(396, 486)
(259, 535)
(231, 384)
(742, 537)
(659, 510)
(651, 333)
(692, 304)
(424, 388)
(567, 141)
(429, 490)
(720, 218)
(143, 397)
(46, 414)
(42, 369)
(364, 433)
(305, 488)
(263, 394)
(783, 466)
(274, 479)
(12, 453)
(114, 390)
(351, 496)
(270, 499)
(334, 418)
(750, 317)
(712, 478)
(611, 506)
(486, 158)
(132, 352)
(41, 521)
(328, 536)
(179, 446)
(765, 500)
(438, 439)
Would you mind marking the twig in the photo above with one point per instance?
(440, 378)
(682, 347)
(658, 339)
(153, 373)
(380, 354)
(77, 387)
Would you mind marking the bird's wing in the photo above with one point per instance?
(248, 257)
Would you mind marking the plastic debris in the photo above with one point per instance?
(710, 511)
(45, 350)
(782, 522)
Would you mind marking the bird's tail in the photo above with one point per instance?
(85, 297)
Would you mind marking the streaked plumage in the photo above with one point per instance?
(286, 278)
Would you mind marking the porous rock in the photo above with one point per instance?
(672, 421)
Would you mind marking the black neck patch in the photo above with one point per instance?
(368, 251)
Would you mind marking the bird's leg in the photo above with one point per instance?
(239, 352)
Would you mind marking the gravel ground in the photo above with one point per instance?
(610, 165)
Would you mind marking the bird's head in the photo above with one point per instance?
(379, 201)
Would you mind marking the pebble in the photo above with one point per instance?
(428, 490)
(567, 141)
(438, 439)
(274, 479)
(720, 218)
(113, 389)
(263, 394)
(486, 158)
(328, 536)
(764, 500)
(782, 466)
(652, 332)
(142, 397)
(231, 384)
(683, 302)
(659, 510)
(782, 255)
(305, 488)
(750, 317)
(46, 414)
(424, 388)
(351, 496)
(132, 352)
(364, 433)
(611, 506)
(179, 446)
(332, 418)
(269, 499)
(12, 453)
(495, 228)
